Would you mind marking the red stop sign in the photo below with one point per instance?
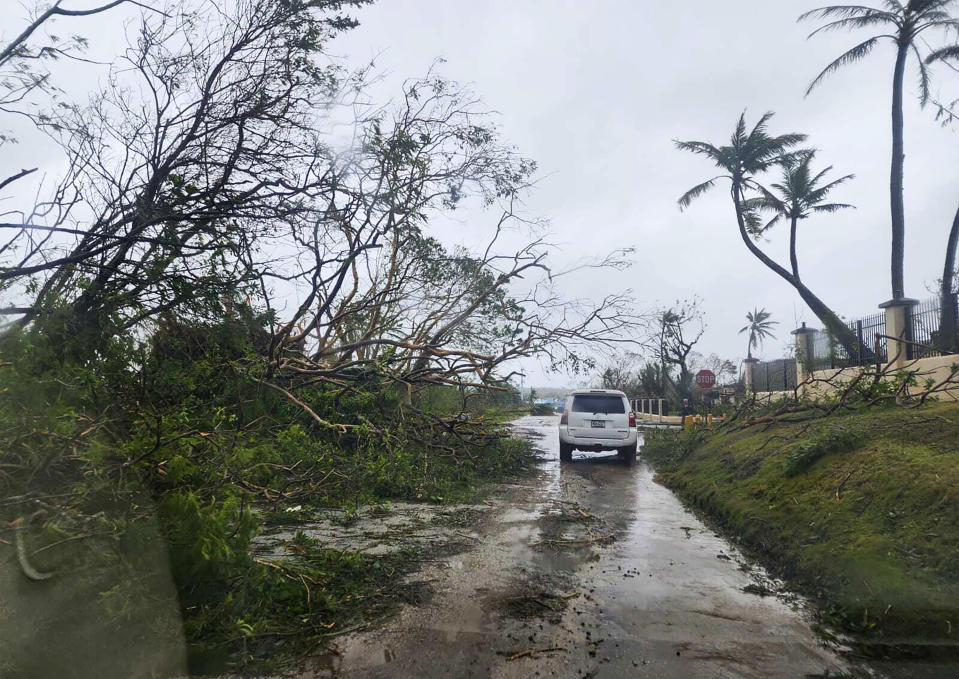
(705, 379)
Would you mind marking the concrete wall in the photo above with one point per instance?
(939, 369)
(767, 397)
(826, 383)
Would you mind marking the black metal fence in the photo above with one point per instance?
(779, 375)
(925, 338)
(868, 345)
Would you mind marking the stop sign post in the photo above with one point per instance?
(705, 379)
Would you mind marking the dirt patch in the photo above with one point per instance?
(461, 517)
(536, 605)
(566, 524)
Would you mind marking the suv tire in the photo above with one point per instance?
(628, 454)
(565, 452)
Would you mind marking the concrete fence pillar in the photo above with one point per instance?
(805, 354)
(898, 331)
(748, 365)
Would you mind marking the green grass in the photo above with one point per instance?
(860, 510)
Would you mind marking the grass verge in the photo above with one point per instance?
(861, 511)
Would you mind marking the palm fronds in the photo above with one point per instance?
(943, 54)
(696, 192)
(857, 53)
(750, 152)
(923, 77)
(845, 12)
(800, 192)
(759, 327)
(905, 21)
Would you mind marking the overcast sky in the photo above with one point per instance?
(595, 92)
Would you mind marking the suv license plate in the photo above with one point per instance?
(597, 424)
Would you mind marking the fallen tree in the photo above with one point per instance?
(227, 311)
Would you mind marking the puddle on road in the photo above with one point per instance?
(585, 568)
(673, 592)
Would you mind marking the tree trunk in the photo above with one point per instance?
(839, 330)
(793, 258)
(685, 382)
(842, 332)
(897, 209)
(948, 323)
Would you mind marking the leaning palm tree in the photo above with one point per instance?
(948, 314)
(749, 154)
(759, 328)
(902, 23)
(800, 194)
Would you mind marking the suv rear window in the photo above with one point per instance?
(599, 403)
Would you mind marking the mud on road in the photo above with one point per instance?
(588, 569)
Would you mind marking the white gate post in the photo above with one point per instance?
(898, 349)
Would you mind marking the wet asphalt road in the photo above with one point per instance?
(648, 590)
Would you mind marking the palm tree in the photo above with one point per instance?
(903, 22)
(759, 328)
(748, 155)
(800, 194)
(948, 315)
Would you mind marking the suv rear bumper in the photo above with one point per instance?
(586, 443)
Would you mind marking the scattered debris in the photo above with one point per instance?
(531, 652)
(758, 589)
(536, 605)
(604, 539)
(379, 529)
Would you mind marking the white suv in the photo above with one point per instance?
(597, 419)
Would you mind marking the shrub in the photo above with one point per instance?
(179, 433)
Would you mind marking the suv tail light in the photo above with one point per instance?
(632, 419)
(565, 418)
